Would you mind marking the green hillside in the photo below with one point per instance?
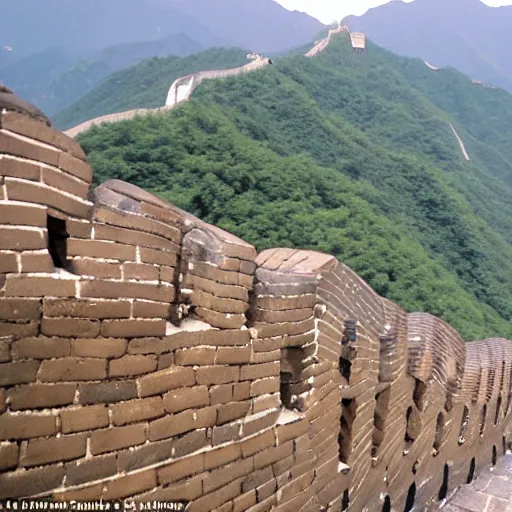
(144, 85)
(349, 155)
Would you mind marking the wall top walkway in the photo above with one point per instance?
(492, 491)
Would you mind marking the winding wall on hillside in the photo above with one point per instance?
(182, 88)
(147, 354)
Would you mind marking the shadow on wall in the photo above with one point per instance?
(146, 354)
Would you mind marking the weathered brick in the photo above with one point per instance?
(16, 168)
(74, 166)
(17, 145)
(259, 371)
(133, 328)
(241, 390)
(222, 456)
(232, 411)
(30, 192)
(70, 327)
(181, 469)
(20, 484)
(30, 286)
(54, 449)
(244, 502)
(184, 490)
(221, 394)
(22, 239)
(84, 471)
(151, 309)
(147, 346)
(113, 439)
(106, 392)
(120, 289)
(8, 262)
(186, 398)
(219, 477)
(143, 456)
(79, 228)
(264, 386)
(190, 442)
(217, 498)
(5, 349)
(99, 347)
(26, 426)
(141, 271)
(292, 430)
(195, 356)
(272, 454)
(257, 478)
(134, 237)
(84, 418)
(131, 220)
(41, 348)
(260, 421)
(19, 309)
(130, 485)
(219, 304)
(137, 410)
(18, 330)
(226, 433)
(165, 380)
(167, 274)
(37, 261)
(262, 403)
(23, 214)
(37, 396)
(132, 365)
(180, 423)
(221, 320)
(8, 456)
(63, 181)
(207, 271)
(72, 368)
(258, 443)
(94, 268)
(233, 355)
(165, 361)
(3, 406)
(86, 308)
(265, 357)
(100, 249)
(158, 257)
(217, 374)
(18, 373)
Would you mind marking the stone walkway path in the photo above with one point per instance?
(490, 492)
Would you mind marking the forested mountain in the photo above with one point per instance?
(465, 34)
(348, 154)
(144, 85)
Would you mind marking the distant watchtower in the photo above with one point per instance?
(358, 40)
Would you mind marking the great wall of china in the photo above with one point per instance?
(146, 354)
(183, 87)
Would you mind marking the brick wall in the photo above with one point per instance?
(147, 354)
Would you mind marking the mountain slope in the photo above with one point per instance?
(343, 154)
(144, 85)
(464, 34)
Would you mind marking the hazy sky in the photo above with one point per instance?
(328, 11)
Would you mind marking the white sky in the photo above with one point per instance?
(328, 11)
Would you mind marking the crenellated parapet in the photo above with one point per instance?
(147, 354)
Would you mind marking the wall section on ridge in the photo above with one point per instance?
(147, 354)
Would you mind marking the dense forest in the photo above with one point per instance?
(351, 155)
